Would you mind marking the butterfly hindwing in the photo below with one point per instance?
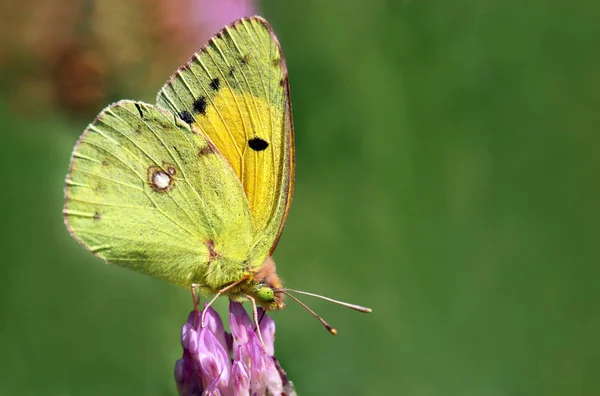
(148, 192)
(235, 90)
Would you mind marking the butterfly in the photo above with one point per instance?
(196, 189)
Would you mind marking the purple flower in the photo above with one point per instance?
(215, 362)
(211, 15)
(240, 376)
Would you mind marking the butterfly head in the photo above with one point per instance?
(268, 297)
(266, 287)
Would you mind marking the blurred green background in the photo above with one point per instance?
(447, 177)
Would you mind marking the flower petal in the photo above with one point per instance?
(213, 322)
(288, 386)
(267, 330)
(239, 323)
(240, 376)
(258, 374)
(206, 367)
(191, 339)
(214, 360)
(274, 380)
(212, 389)
(193, 318)
(186, 381)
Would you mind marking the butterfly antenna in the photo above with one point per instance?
(344, 304)
(327, 325)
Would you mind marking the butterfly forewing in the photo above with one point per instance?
(235, 91)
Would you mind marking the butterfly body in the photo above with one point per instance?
(194, 190)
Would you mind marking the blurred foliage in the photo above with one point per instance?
(77, 56)
(447, 176)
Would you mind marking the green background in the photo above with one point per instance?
(447, 177)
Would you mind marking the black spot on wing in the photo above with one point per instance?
(258, 144)
(200, 105)
(245, 59)
(231, 72)
(215, 83)
(139, 109)
(186, 117)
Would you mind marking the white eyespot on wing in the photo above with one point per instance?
(161, 180)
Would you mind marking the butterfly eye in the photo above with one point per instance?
(264, 293)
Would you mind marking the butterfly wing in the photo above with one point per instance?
(147, 192)
(235, 90)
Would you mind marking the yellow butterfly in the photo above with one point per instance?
(196, 189)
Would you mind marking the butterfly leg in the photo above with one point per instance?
(195, 296)
(223, 290)
(255, 314)
(196, 301)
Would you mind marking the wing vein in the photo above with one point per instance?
(181, 168)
